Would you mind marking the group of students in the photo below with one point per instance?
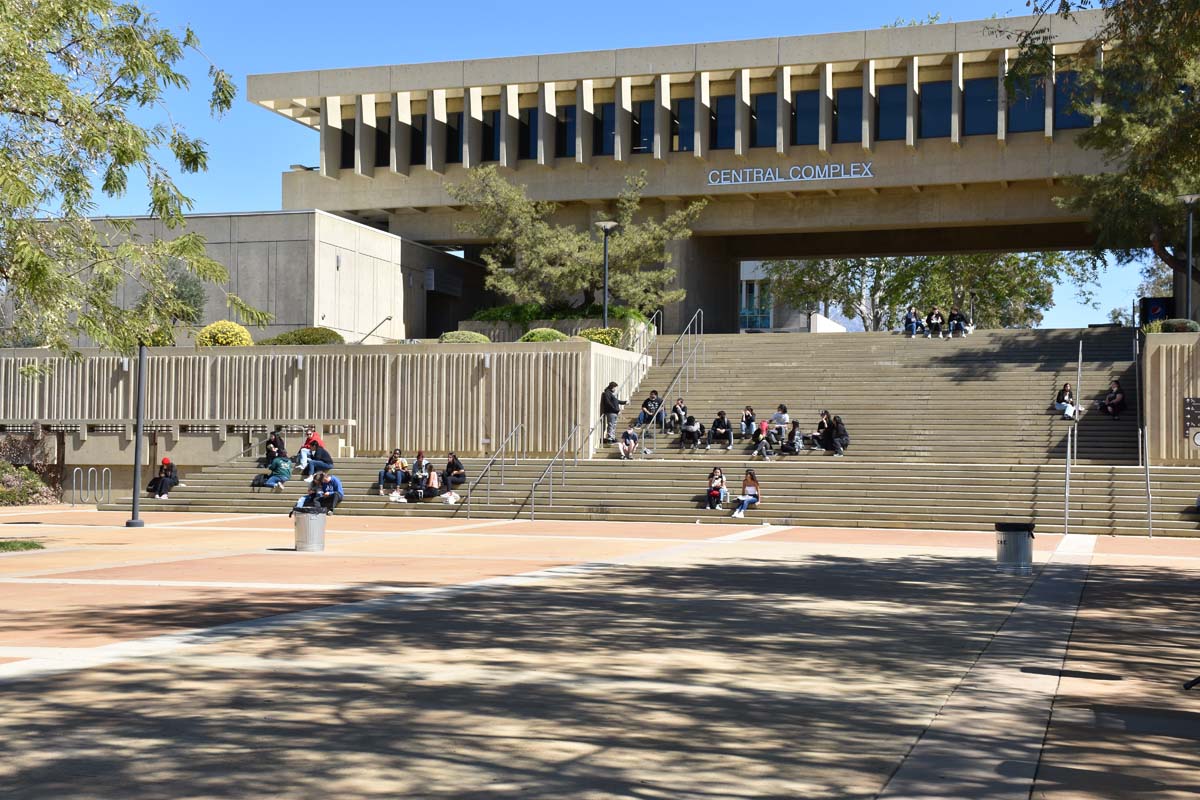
(1111, 405)
(420, 478)
(936, 324)
(717, 492)
(783, 434)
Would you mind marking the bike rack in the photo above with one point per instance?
(92, 489)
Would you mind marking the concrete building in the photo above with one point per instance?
(890, 141)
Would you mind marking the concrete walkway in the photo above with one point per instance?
(427, 659)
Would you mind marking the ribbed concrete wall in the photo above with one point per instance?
(432, 397)
(1171, 374)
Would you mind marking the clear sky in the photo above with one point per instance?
(250, 147)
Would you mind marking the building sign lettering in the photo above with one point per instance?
(794, 174)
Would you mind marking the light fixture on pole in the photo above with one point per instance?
(1190, 201)
(135, 520)
(606, 226)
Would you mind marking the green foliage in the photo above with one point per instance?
(463, 337)
(1179, 326)
(525, 313)
(608, 336)
(306, 336)
(544, 335)
(20, 486)
(223, 333)
(533, 260)
(19, 545)
(1153, 327)
(1009, 289)
(82, 108)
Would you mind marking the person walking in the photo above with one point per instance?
(610, 409)
(751, 494)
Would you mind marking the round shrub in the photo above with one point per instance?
(1180, 326)
(306, 336)
(544, 335)
(608, 336)
(223, 333)
(463, 337)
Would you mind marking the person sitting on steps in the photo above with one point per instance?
(395, 472)
(957, 322)
(779, 422)
(281, 473)
(326, 492)
(690, 433)
(766, 440)
(1064, 401)
(629, 443)
(651, 410)
(716, 493)
(751, 494)
(167, 479)
(840, 439)
(747, 421)
(455, 474)
(721, 429)
(318, 461)
(312, 440)
(677, 416)
(1114, 402)
(913, 324)
(934, 322)
(794, 442)
(818, 438)
(610, 409)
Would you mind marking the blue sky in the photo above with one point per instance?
(250, 147)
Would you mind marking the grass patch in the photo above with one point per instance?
(17, 545)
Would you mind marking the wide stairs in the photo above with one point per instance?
(945, 435)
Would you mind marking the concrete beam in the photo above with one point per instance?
(547, 121)
(472, 133)
(662, 116)
(364, 135)
(741, 112)
(331, 137)
(825, 115)
(401, 134)
(869, 102)
(435, 132)
(783, 111)
(703, 110)
(623, 140)
(585, 119)
(510, 126)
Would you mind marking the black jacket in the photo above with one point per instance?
(720, 425)
(1064, 397)
(454, 466)
(651, 405)
(609, 404)
(321, 454)
(957, 316)
(839, 432)
(934, 319)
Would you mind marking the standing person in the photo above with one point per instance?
(747, 421)
(610, 409)
(281, 473)
(839, 438)
(913, 324)
(721, 428)
(326, 491)
(167, 478)
(677, 417)
(318, 461)
(779, 422)
(957, 321)
(629, 443)
(1114, 402)
(934, 322)
(455, 474)
(651, 410)
(394, 471)
(1064, 401)
(751, 494)
(717, 492)
(690, 433)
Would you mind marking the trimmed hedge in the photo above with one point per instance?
(223, 333)
(463, 337)
(544, 335)
(306, 336)
(525, 313)
(608, 336)
(1180, 326)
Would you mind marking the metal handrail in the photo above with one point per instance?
(590, 437)
(687, 369)
(1067, 484)
(558, 454)
(1078, 394)
(1149, 495)
(486, 472)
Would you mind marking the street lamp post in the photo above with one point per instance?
(1189, 200)
(606, 226)
(135, 520)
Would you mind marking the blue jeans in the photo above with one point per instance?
(645, 419)
(317, 466)
(958, 326)
(913, 328)
(743, 505)
(397, 478)
(274, 480)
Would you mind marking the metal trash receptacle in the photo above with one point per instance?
(1014, 547)
(310, 531)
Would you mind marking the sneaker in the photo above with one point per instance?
(708, 447)
(164, 497)
(737, 515)
(278, 488)
(729, 447)
(308, 479)
(838, 455)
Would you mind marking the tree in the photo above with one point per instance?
(1149, 129)
(532, 260)
(863, 288)
(1156, 282)
(76, 75)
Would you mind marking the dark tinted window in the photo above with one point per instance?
(417, 148)
(933, 119)
(847, 111)
(892, 119)
(605, 129)
(643, 126)
(1027, 107)
(763, 108)
(806, 117)
(527, 145)
(346, 154)
(383, 140)
(722, 121)
(564, 134)
(491, 136)
(980, 96)
(683, 125)
(1069, 101)
(454, 121)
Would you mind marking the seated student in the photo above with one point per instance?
(779, 422)
(312, 440)
(716, 493)
(1114, 402)
(913, 324)
(420, 467)
(280, 473)
(1064, 401)
(839, 438)
(433, 484)
(326, 492)
(934, 322)
(794, 442)
(455, 474)
(167, 479)
(765, 442)
(762, 431)
(747, 421)
(318, 461)
(395, 471)
(273, 449)
(751, 494)
(651, 410)
(721, 429)
(818, 438)
(677, 416)
(690, 433)
(957, 322)
(629, 443)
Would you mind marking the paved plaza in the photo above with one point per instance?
(200, 657)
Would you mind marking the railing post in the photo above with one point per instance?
(1149, 494)
(1067, 486)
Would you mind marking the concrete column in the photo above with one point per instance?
(623, 101)
(401, 133)
(435, 131)
(472, 133)
(547, 120)
(870, 101)
(662, 116)
(510, 130)
(741, 112)
(364, 135)
(331, 136)
(825, 117)
(585, 119)
(1049, 83)
(783, 111)
(1098, 100)
(703, 109)
(911, 106)
(956, 99)
(1002, 98)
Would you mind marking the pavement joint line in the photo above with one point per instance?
(191, 522)
(308, 587)
(146, 562)
(753, 533)
(53, 510)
